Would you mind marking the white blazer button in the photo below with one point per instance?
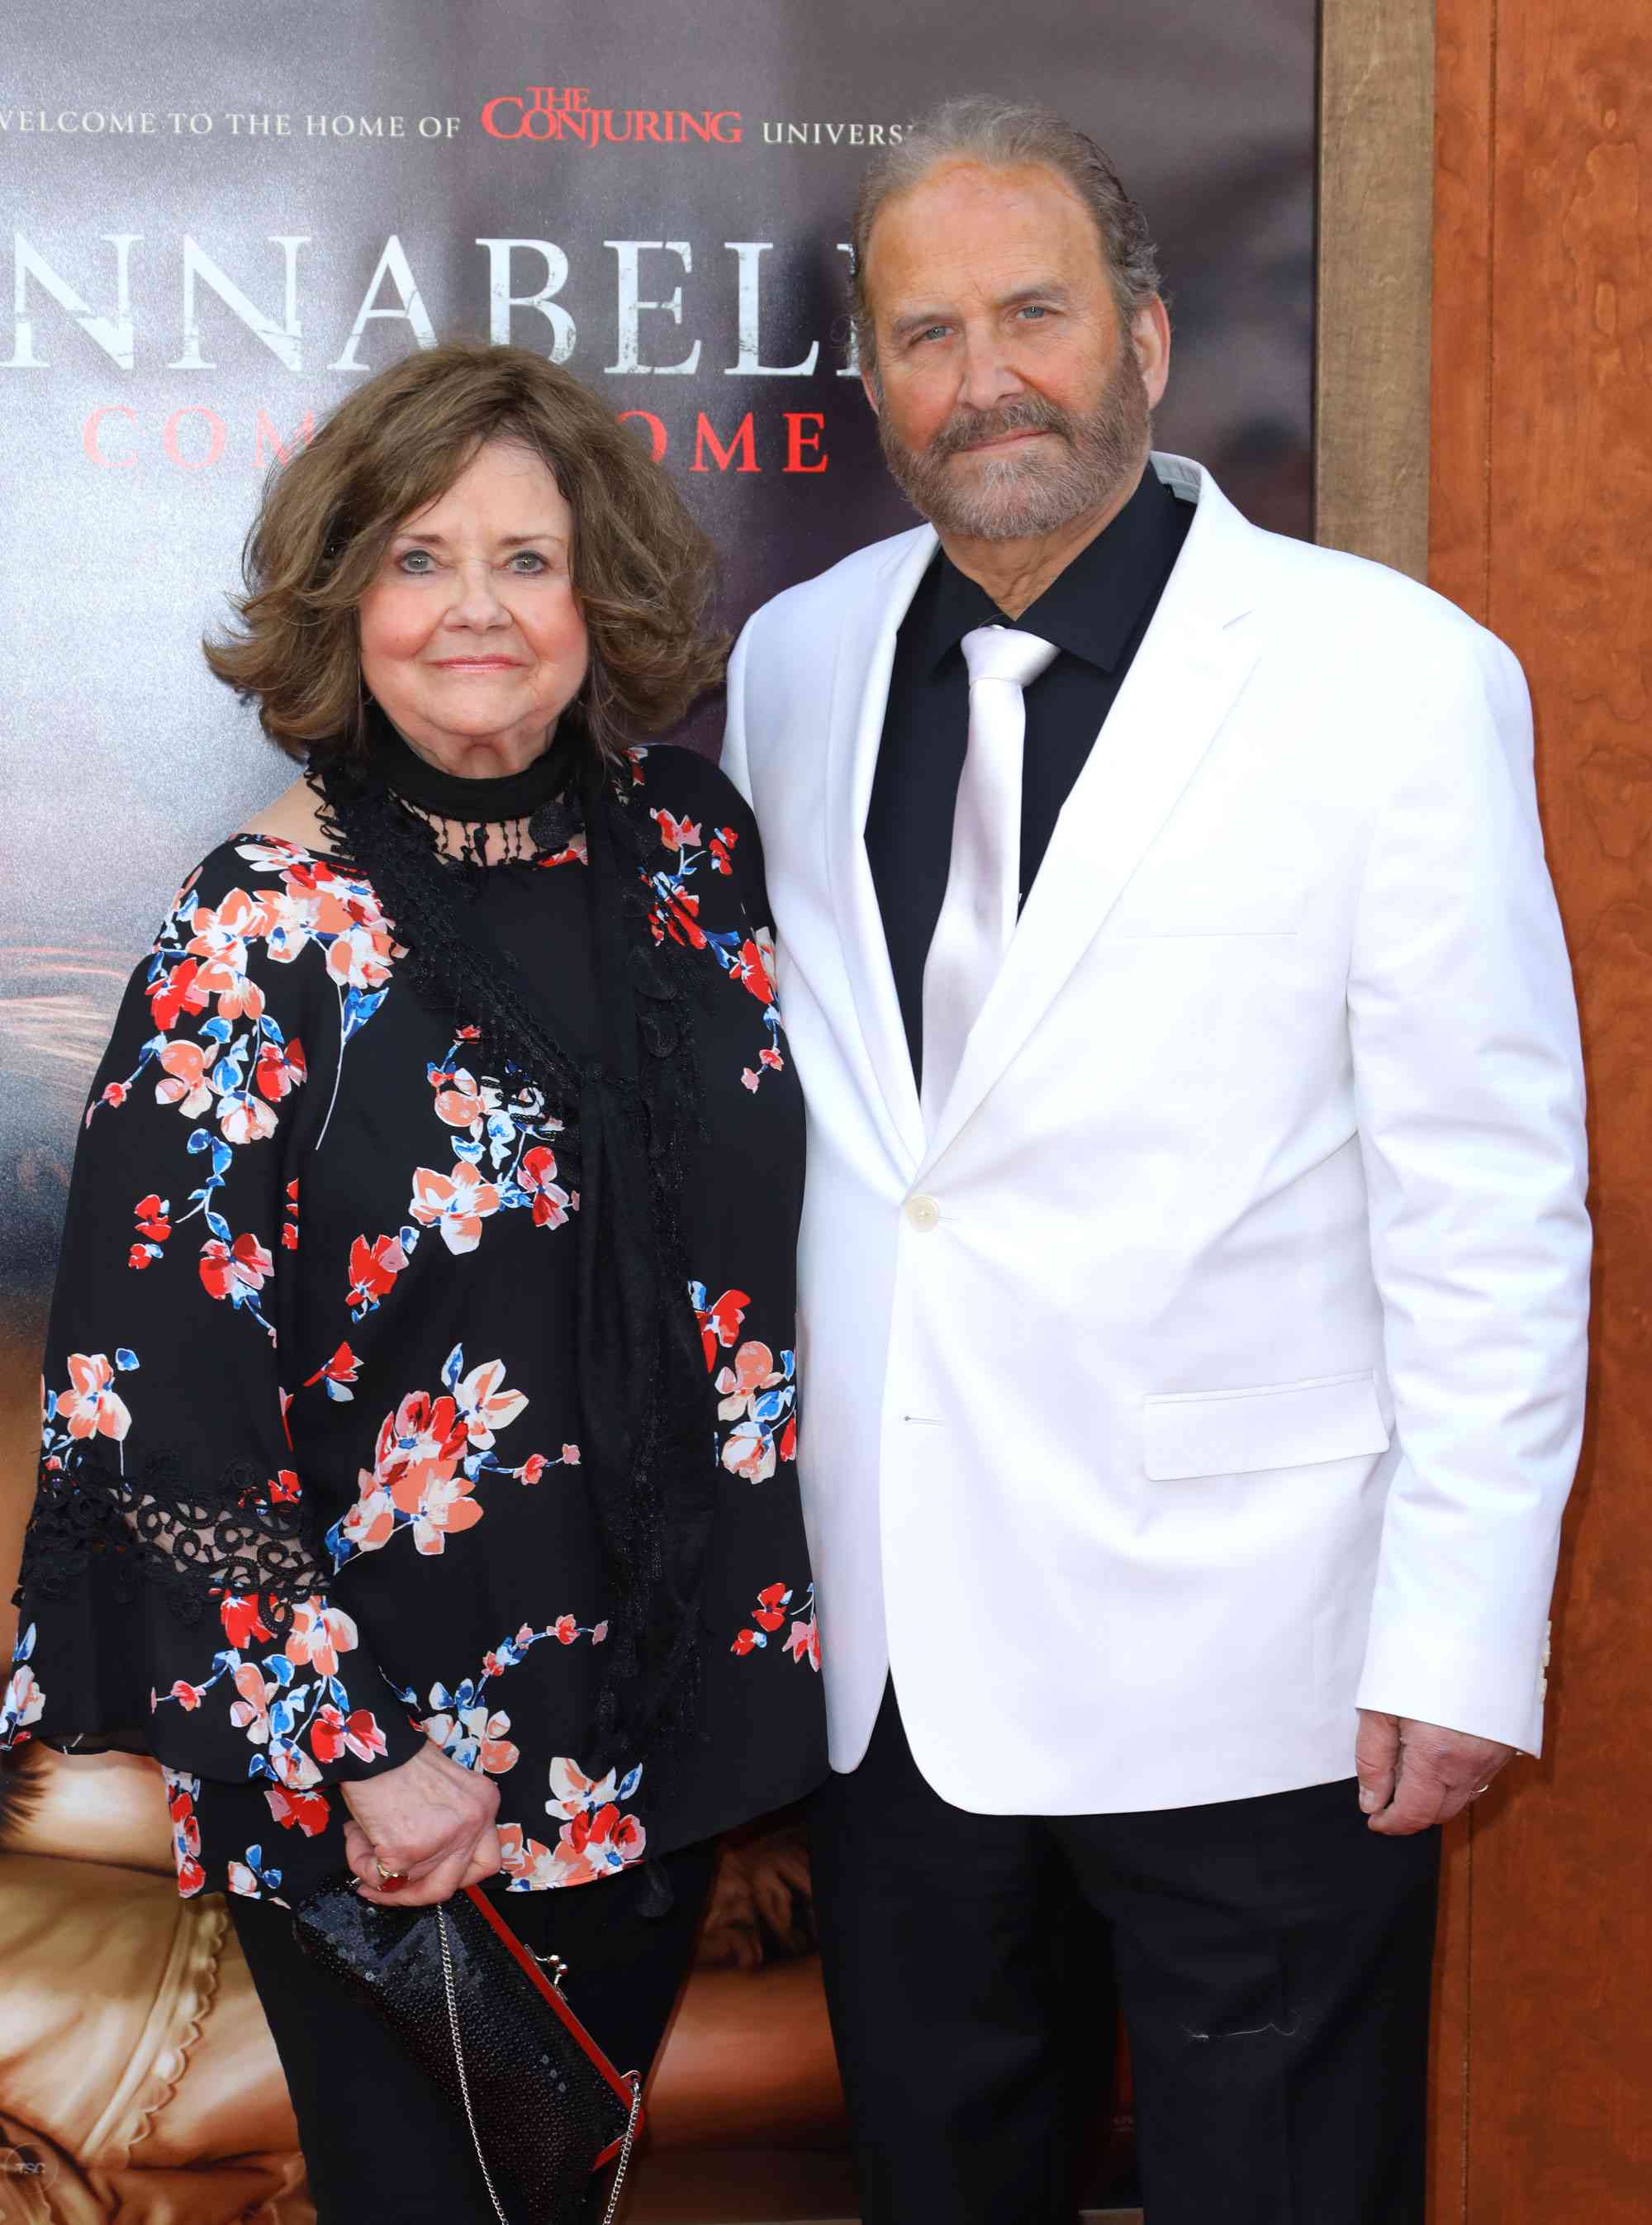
(921, 1211)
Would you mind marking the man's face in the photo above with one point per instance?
(1010, 400)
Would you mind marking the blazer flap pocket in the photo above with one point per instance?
(1275, 1426)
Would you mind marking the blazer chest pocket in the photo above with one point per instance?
(1328, 1417)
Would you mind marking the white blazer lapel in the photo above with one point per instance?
(859, 696)
(1192, 664)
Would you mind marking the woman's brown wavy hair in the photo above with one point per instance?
(641, 570)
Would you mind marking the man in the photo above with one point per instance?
(1194, 1259)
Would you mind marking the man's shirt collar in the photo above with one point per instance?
(1090, 609)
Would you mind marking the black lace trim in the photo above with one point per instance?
(159, 1532)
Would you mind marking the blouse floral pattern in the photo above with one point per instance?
(311, 1489)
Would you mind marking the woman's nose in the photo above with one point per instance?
(476, 600)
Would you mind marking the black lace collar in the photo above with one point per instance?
(486, 802)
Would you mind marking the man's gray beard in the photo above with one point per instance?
(1022, 493)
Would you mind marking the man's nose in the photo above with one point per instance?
(990, 379)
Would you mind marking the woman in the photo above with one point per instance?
(418, 1480)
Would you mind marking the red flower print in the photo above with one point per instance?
(419, 1447)
(750, 971)
(457, 1204)
(371, 1522)
(753, 1372)
(593, 1845)
(243, 1119)
(140, 1254)
(770, 1610)
(744, 1642)
(92, 1407)
(676, 833)
(185, 1085)
(339, 1371)
(677, 916)
(552, 1203)
(749, 1453)
(565, 1629)
(292, 1766)
(804, 1643)
(789, 1440)
(186, 1695)
(221, 942)
(319, 1635)
(278, 1071)
(359, 1733)
(241, 1615)
(308, 1811)
(242, 1266)
(359, 954)
(290, 1236)
(186, 1830)
(250, 1713)
(719, 1323)
(532, 1468)
(459, 1102)
(150, 1213)
(373, 1269)
(177, 992)
(284, 1488)
(722, 844)
(484, 1404)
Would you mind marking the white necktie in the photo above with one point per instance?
(978, 914)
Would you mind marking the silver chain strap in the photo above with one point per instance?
(632, 2080)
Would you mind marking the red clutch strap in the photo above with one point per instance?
(628, 2088)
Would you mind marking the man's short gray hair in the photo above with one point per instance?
(1007, 134)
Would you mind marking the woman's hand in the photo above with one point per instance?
(429, 1820)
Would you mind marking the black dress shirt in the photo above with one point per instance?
(1096, 613)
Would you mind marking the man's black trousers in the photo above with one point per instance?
(1272, 1960)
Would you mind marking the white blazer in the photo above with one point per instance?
(1217, 1365)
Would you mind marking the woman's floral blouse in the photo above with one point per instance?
(310, 1483)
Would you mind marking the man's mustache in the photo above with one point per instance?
(968, 428)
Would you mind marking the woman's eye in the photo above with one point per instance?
(528, 561)
(415, 562)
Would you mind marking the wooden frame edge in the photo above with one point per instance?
(1374, 294)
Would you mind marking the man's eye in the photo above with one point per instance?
(1033, 309)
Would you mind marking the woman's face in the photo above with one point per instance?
(471, 640)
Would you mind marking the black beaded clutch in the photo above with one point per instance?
(544, 2105)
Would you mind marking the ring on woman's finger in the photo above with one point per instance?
(389, 1879)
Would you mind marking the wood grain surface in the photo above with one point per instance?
(1540, 499)
(1372, 357)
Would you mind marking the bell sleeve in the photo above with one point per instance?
(174, 1595)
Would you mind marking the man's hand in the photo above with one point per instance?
(428, 1820)
(1414, 1774)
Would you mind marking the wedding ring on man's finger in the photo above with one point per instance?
(1479, 1789)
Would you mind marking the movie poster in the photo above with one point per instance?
(220, 217)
